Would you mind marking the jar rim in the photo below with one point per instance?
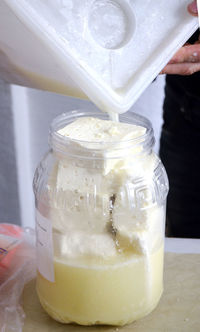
(59, 142)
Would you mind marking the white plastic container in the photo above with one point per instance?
(109, 50)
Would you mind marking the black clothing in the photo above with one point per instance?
(186, 84)
(189, 85)
(180, 153)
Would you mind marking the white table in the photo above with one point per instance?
(182, 246)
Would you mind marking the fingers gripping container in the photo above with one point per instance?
(108, 50)
(100, 219)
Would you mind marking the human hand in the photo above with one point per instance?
(192, 8)
(187, 60)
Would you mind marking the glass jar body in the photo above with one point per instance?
(100, 235)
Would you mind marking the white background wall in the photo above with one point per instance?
(33, 112)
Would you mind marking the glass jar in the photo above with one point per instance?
(100, 220)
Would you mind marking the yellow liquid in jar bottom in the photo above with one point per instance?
(113, 294)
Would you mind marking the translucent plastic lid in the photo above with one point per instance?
(112, 49)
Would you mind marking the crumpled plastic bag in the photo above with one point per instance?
(17, 267)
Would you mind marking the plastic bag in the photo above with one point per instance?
(17, 267)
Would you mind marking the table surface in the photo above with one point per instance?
(182, 246)
(178, 309)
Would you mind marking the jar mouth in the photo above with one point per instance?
(61, 143)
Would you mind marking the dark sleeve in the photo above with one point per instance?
(194, 37)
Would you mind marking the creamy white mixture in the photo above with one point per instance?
(97, 206)
(88, 129)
